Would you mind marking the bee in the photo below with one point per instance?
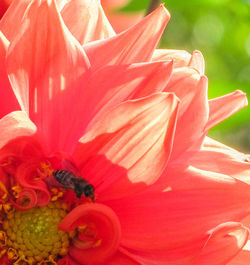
(70, 181)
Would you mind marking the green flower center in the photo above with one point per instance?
(33, 235)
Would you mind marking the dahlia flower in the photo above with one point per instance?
(104, 157)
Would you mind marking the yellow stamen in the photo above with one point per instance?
(8, 208)
(46, 170)
(4, 197)
(3, 239)
(2, 252)
(33, 235)
(22, 261)
(12, 254)
(2, 187)
(49, 261)
(97, 243)
(16, 190)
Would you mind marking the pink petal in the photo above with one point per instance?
(8, 100)
(173, 256)
(223, 107)
(191, 89)
(118, 154)
(86, 20)
(180, 58)
(10, 22)
(242, 258)
(219, 158)
(225, 242)
(137, 44)
(14, 125)
(180, 209)
(46, 66)
(121, 259)
(197, 62)
(102, 93)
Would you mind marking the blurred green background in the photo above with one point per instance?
(220, 29)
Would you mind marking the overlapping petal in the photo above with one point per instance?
(15, 124)
(180, 58)
(6, 89)
(132, 81)
(121, 21)
(117, 153)
(197, 62)
(193, 204)
(191, 88)
(86, 20)
(10, 22)
(135, 45)
(47, 68)
(219, 158)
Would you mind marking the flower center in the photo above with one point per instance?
(33, 235)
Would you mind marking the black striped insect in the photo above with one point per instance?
(70, 181)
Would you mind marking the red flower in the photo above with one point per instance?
(117, 115)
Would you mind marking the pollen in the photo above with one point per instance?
(32, 236)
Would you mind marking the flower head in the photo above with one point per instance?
(104, 157)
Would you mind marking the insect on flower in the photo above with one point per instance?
(110, 117)
(70, 181)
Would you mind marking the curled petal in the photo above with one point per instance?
(134, 45)
(99, 233)
(28, 177)
(225, 242)
(27, 199)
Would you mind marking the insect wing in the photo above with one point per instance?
(70, 166)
